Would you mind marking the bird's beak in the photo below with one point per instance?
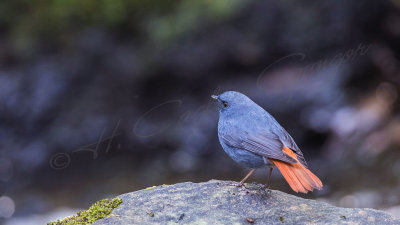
(215, 97)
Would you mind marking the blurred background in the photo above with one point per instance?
(100, 98)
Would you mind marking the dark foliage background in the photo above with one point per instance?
(104, 97)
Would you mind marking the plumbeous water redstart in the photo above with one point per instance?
(253, 138)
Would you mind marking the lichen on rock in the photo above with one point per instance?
(97, 211)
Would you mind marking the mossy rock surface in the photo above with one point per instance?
(218, 202)
(97, 211)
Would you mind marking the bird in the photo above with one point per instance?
(254, 139)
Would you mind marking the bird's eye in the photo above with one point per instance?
(225, 104)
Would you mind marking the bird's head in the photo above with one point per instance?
(232, 100)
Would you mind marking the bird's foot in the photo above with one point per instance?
(267, 189)
(239, 185)
(244, 189)
(236, 184)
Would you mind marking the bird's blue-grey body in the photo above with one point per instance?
(250, 135)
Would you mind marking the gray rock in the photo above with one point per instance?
(218, 202)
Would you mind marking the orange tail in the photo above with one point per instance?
(299, 178)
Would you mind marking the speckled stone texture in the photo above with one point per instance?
(219, 202)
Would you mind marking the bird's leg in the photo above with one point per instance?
(245, 178)
(240, 184)
(269, 178)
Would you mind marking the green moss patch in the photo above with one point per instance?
(97, 211)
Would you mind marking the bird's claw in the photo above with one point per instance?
(239, 185)
(268, 190)
(244, 189)
(233, 183)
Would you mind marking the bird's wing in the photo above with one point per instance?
(265, 144)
